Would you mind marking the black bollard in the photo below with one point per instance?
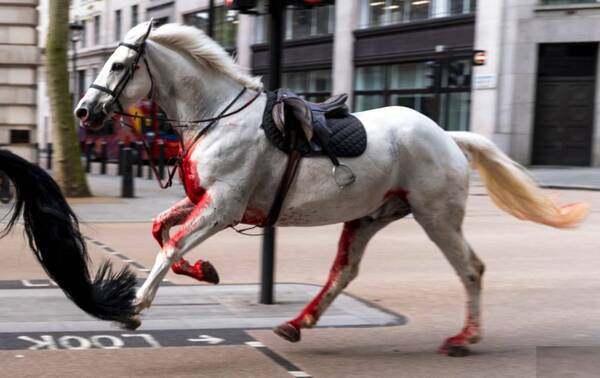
(161, 160)
(49, 156)
(127, 170)
(103, 157)
(89, 147)
(120, 159)
(140, 159)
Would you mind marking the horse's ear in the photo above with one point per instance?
(150, 23)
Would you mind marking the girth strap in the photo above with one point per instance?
(291, 168)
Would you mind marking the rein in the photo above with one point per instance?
(186, 150)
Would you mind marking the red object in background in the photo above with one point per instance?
(153, 130)
(241, 5)
(479, 57)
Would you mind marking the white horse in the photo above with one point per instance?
(232, 172)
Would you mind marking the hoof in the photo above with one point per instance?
(209, 273)
(132, 324)
(202, 271)
(454, 350)
(287, 332)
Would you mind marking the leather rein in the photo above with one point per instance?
(120, 87)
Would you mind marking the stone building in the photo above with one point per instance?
(537, 96)
(19, 58)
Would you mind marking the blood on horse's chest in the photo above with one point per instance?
(191, 181)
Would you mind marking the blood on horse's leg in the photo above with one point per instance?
(351, 247)
(205, 220)
(203, 271)
(456, 346)
(176, 215)
(445, 231)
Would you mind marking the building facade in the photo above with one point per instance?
(19, 58)
(393, 52)
(535, 96)
(538, 94)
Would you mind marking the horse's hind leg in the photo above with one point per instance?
(352, 244)
(444, 228)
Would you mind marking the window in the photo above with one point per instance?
(226, 24)
(81, 87)
(19, 136)
(560, 2)
(299, 23)
(375, 13)
(159, 21)
(461, 6)
(439, 89)
(134, 15)
(83, 35)
(310, 22)
(118, 25)
(313, 85)
(97, 30)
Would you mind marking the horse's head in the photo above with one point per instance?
(124, 79)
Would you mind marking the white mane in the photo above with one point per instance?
(203, 49)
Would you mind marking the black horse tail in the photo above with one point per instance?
(53, 233)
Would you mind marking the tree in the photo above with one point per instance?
(68, 171)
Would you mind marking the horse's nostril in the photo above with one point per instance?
(81, 113)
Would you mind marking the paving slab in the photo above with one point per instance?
(186, 307)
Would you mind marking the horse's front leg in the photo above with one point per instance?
(175, 216)
(210, 215)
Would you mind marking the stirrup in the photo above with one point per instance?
(343, 175)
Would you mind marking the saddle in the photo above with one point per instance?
(303, 128)
(312, 117)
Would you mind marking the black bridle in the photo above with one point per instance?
(120, 87)
(129, 73)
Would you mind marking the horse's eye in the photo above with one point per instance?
(117, 67)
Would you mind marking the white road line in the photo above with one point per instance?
(255, 344)
(299, 374)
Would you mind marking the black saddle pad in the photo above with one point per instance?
(348, 136)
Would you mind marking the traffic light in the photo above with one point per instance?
(479, 57)
(241, 5)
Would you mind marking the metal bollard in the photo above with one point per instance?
(120, 159)
(140, 159)
(161, 160)
(89, 147)
(103, 157)
(49, 156)
(127, 170)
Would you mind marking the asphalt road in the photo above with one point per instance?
(541, 310)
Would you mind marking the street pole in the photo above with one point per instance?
(211, 19)
(268, 247)
(74, 62)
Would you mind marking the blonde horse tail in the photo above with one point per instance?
(512, 189)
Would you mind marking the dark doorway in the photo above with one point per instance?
(564, 111)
